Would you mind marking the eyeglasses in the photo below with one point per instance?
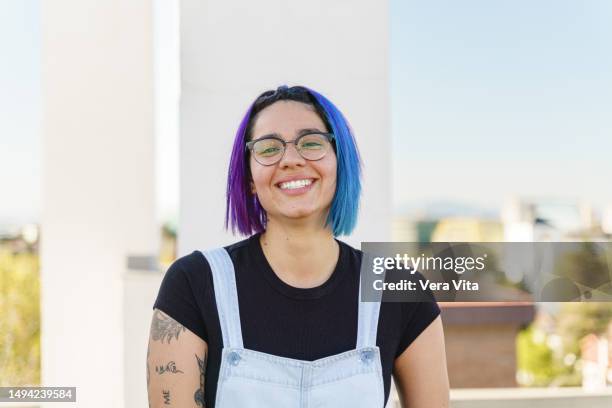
(269, 150)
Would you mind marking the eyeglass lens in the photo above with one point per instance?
(310, 147)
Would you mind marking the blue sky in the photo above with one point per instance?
(495, 98)
(20, 111)
(489, 99)
(507, 76)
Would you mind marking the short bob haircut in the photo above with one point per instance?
(243, 211)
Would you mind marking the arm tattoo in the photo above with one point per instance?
(199, 394)
(166, 395)
(164, 327)
(168, 368)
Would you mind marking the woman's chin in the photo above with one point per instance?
(299, 214)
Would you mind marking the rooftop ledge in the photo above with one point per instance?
(565, 397)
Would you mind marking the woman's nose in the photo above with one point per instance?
(291, 157)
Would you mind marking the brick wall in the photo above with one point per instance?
(481, 356)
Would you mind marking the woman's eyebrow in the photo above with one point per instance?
(308, 130)
(299, 133)
(268, 135)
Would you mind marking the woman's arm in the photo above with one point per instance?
(420, 372)
(176, 364)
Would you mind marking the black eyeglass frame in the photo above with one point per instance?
(248, 147)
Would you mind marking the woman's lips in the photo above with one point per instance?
(298, 190)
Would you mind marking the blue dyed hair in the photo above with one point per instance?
(243, 211)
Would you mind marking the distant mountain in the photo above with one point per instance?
(442, 209)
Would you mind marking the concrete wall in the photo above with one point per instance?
(531, 397)
(231, 53)
(140, 289)
(98, 180)
(99, 120)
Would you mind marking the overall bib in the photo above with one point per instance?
(253, 379)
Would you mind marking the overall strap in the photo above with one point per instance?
(226, 296)
(367, 323)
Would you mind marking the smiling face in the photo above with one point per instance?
(293, 188)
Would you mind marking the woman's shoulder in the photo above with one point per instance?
(241, 245)
(347, 245)
(349, 255)
(185, 271)
(196, 261)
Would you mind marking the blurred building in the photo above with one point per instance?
(596, 354)
(481, 342)
(606, 221)
(527, 220)
(480, 337)
(408, 229)
(20, 238)
(467, 229)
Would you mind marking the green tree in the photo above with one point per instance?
(19, 318)
(576, 320)
(586, 266)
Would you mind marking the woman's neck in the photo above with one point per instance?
(300, 256)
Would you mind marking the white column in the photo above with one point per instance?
(98, 188)
(230, 53)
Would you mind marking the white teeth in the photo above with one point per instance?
(290, 185)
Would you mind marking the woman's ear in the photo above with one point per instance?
(253, 190)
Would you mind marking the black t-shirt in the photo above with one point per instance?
(279, 319)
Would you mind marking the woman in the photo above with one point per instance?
(275, 320)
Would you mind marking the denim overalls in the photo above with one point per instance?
(253, 379)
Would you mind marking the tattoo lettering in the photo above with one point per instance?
(169, 368)
(164, 327)
(166, 395)
(199, 394)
